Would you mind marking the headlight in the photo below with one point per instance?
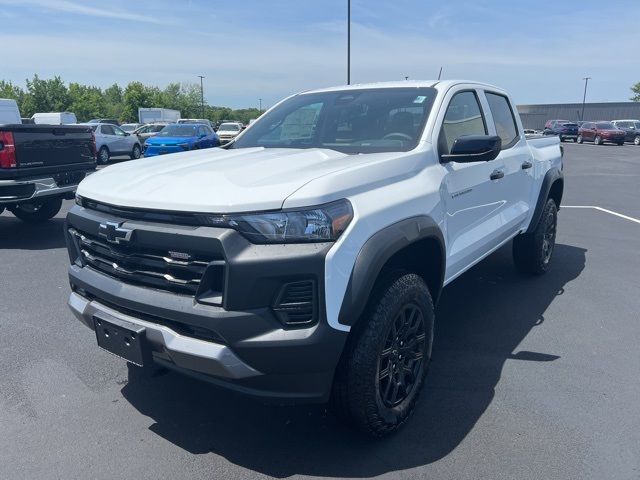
(79, 200)
(324, 223)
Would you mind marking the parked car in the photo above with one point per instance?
(147, 131)
(228, 131)
(111, 121)
(176, 138)
(564, 129)
(130, 127)
(54, 118)
(195, 120)
(631, 129)
(305, 260)
(600, 132)
(111, 141)
(34, 177)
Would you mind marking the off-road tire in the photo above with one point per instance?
(533, 251)
(357, 394)
(37, 212)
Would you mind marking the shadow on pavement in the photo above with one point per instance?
(16, 234)
(482, 318)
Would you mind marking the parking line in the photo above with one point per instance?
(631, 219)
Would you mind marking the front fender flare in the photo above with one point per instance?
(376, 252)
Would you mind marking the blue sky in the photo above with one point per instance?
(539, 50)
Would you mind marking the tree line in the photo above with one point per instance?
(87, 101)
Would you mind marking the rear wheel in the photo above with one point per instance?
(597, 140)
(532, 251)
(36, 212)
(385, 363)
(103, 155)
(136, 152)
(636, 140)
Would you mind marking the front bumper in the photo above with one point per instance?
(238, 342)
(24, 190)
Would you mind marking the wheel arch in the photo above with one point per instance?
(552, 187)
(415, 244)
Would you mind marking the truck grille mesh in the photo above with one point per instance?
(148, 268)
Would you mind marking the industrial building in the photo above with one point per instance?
(535, 116)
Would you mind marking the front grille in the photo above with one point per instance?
(296, 303)
(161, 269)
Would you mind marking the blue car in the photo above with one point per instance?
(176, 138)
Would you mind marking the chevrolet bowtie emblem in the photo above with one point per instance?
(114, 233)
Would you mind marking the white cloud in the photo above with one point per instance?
(82, 9)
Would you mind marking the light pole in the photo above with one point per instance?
(584, 98)
(202, 94)
(348, 42)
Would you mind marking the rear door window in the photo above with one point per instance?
(503, 119)
(107, 130)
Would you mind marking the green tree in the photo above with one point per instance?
(636, 92)
(113, 97)
(49, 95)
(86, 102)
(135, 96)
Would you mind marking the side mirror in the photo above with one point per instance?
(474, 148)
(127, 134)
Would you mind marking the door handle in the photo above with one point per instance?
(496, 174)
(527, 165)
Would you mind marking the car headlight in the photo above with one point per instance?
(79, 200)
(324, 223)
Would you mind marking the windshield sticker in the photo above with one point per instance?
(420, 99)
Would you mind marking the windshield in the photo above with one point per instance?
(569, 124)
(349, 121)
(129, 128)
(229, 127)
(178, 131)
(605, 126)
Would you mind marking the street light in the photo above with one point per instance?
(202, 94)
(348, 42)
(584, 98)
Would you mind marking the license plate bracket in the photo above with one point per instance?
(121, 338)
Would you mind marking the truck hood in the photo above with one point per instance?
(213, 180)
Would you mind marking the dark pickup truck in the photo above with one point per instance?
(40, 165)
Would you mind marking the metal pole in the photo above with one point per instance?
(584, 98)
(440, 74)
(348, 42)
(202, 94)
(260, 110)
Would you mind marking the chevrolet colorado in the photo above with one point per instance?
(303, 261)
(40, 164)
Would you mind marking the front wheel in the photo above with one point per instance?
(636, 140)
(385, 362)
(579, 139)
(532, 251)
(136, 152)
(598, 140)
(37, 212)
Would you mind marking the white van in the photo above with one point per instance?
(54, 118)
(9, 112)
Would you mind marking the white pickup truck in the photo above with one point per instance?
(303, 261)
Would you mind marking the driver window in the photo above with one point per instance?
(463, 117)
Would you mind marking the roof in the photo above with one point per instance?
(439, 84)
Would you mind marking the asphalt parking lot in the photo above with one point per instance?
(532, 378)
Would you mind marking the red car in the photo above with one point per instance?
(600, 132)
